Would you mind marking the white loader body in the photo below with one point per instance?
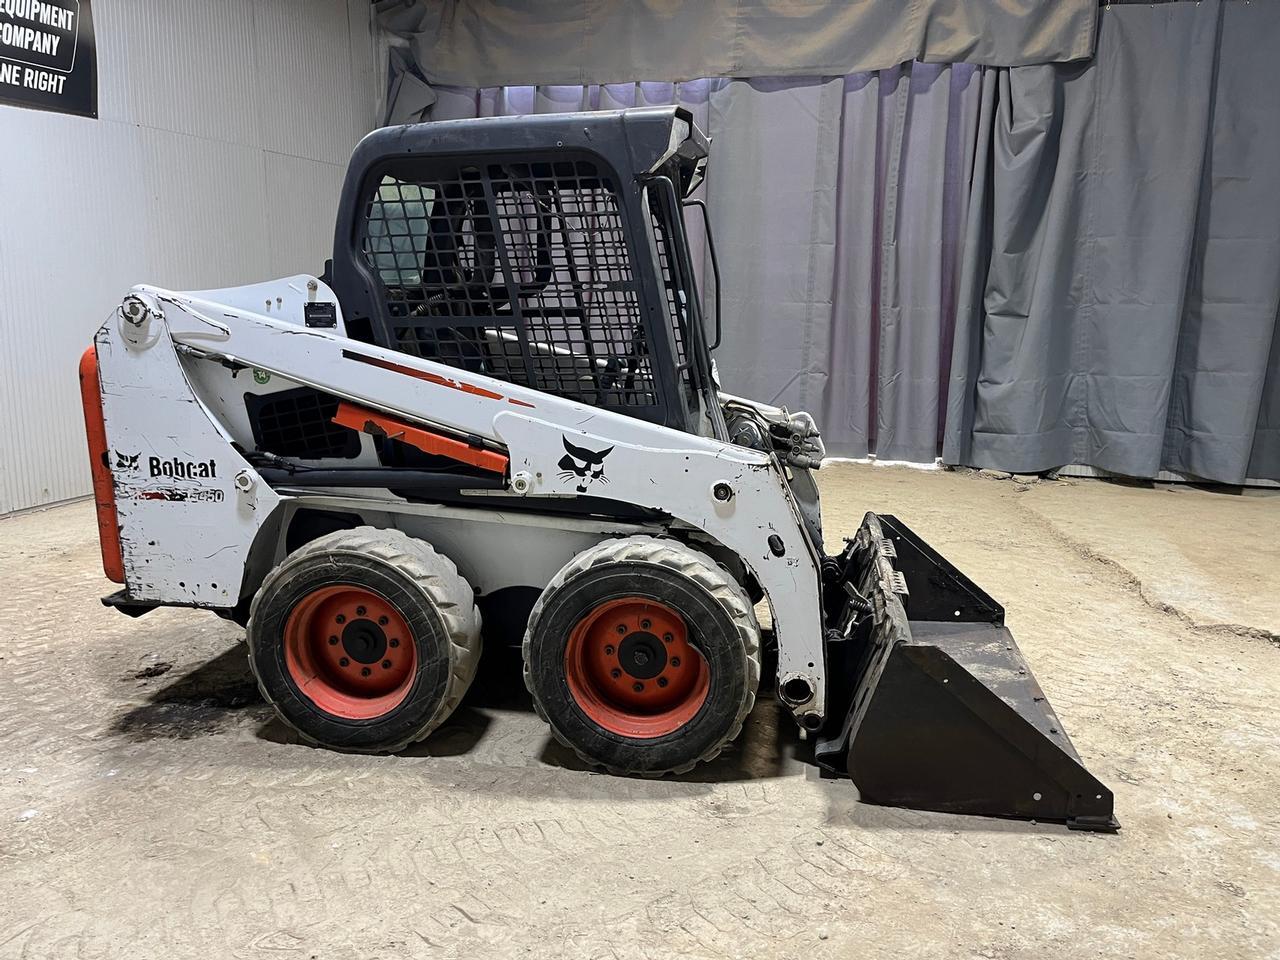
(193, 511)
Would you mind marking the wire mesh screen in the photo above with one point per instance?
(520, 271)
(299, 423)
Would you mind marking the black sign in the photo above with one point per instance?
(48, 60)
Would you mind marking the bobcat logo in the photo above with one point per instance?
(586, 465)
(124, 462)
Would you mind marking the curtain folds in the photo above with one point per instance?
(1017, 268)
(838, 207)
(480, 43)
(1129, 255)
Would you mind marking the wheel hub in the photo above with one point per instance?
(641, 655)
(632, 670)
(364, 642)
(350, 652)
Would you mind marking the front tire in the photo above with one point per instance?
(643, 655)
(364, 639)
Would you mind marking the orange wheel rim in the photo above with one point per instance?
(631, 669)
(350, 652)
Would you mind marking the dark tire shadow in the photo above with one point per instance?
(197, 703)
(499, 682)
(221, 691)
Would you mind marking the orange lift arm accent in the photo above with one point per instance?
(372, 422)
(104, 494)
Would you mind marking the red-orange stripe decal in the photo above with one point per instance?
(438, 380)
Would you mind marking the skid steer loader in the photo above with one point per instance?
(499, 400)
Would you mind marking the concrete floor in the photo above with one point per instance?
(153, 811)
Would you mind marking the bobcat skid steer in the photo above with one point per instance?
(500, 400)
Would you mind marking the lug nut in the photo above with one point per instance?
(638, 688)
(359, 611)
(365, 671)
(383, 621)
(645, 624)
(615, 673)
(344, 662)
(662, 681)
(675, 661)
(668, 638)
(333, 641)
(340, 618)
(386, 664)
(608, 649)
(621, 628)
(395, 642)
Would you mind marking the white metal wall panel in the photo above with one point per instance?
(225, 127)
(183, 67)
(301, 206)
(364, 45)
(62, 256)
(212, 195)
(298, 42)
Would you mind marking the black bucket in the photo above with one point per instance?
(932, 705)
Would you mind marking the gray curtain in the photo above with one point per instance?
(475, 43)
(1023, 268)
(838, 207)
(1120, 286)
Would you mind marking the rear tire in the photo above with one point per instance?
(364, 639)
(643, 655)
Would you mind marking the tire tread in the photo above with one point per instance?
(431, 572)
(696, 566)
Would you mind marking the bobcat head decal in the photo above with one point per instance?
(125, 462)
(586, 465)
